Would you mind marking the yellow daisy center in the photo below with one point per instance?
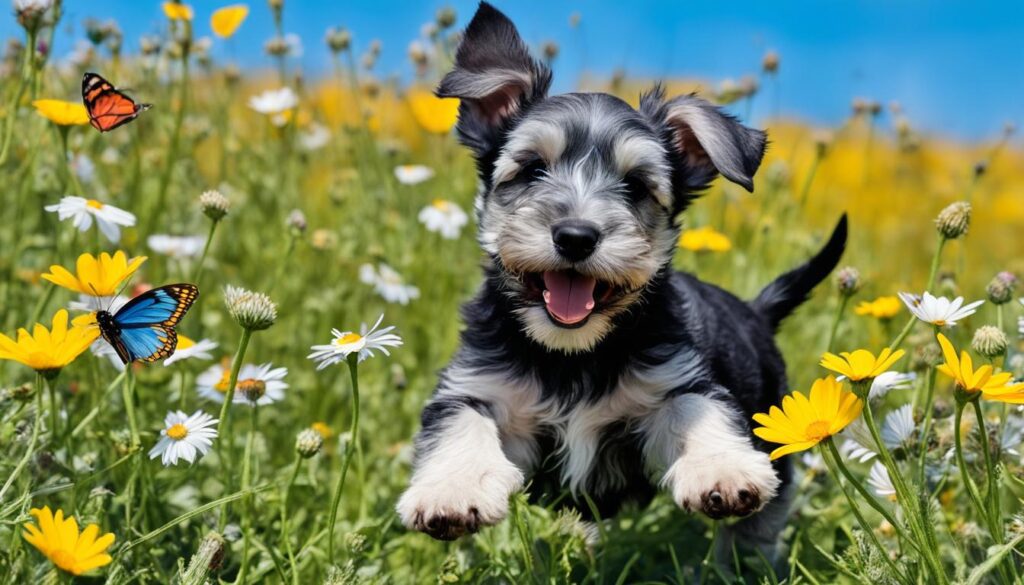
(222, 385)
(940, 323)
(817, 430)
(94, 204)
(441, 204)
(347, 339)
(177, 431)
(63, 559)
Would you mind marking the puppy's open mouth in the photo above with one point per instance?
(569, 296)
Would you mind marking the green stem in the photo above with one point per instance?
(285, 525)
(223, 425)
(353, 367)
(805, 190)
(30, 450)
(12, 110)
(43, 301)
(172, 149)
(832, 465)
(991, 487)
(935, 262)
(206, 248)
(247, 502)
(284, 263)
(128, 395)
(972, 489)
(838, 319)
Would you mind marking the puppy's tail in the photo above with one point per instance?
(784, 294)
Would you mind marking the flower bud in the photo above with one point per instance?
(990, 341)
(22, 393)
(308, 443)
(1000, 290)
(214, 204)
(208, 558)
(355, 542)
(848, 281)
(297, 222)
(550, 50)
(338, 39)
(770, 62)
(252, 310)
(954, 220)
(276, 47)
(445, 17)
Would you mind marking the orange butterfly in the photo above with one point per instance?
(108, 108)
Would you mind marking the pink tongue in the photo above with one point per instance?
(569, 296)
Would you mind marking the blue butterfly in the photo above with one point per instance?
(144, 328)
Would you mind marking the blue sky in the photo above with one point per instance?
(956, 67)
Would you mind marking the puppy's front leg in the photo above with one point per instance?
(709, 460)
(461, 478)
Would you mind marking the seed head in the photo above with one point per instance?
(355, 542)
(297, 222)
(214, 204)
(338, 39)
(276, 47)
(979, 168)
(208, 558)
(418, 54)
(445, 17)
(770, 62)
(848, 281)
(990, 341)
(308, 443)
(1000, 290)
(954, 220)
(550, 50)
(252, 310)
(22, 393)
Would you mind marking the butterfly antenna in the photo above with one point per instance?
(120, 290)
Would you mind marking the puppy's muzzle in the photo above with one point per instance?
(575, 240)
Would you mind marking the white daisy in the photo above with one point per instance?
(813, 461)
(938, 311)
(880, 481)
(188, 348)
(413, 174)
(32, 5)
(184, 437)
(212, 384)
(889, 381)
(274, 101)
(176, 246)
(90, 304)
(82, 211)
(363, 343)
(444, 217)
(315, 138)
(858, 444)
(388, 283)
(898, 426)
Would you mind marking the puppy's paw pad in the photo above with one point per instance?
(733, 484)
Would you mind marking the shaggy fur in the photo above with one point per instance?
(648, 378)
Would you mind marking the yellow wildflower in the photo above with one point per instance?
(803, 421)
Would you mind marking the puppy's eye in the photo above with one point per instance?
(533, 171)
(635, 188)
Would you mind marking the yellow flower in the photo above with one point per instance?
(321, 427)
(177, 11)
(880, 308)
(48, 350)
(704, 239)
(61, 112)
(436, 115)
(225, 21)
(993, 386)
(804, 422)
(58, 539)
(861, 364)
(100, 277)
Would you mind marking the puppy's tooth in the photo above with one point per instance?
(547, 296)
(590, 305)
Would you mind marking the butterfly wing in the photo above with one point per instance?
(146, 323)
(108, 108)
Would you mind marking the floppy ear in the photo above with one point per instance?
(704, 141)
(494, 77)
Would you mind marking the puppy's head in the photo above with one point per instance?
(579, 192)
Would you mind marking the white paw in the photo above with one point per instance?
(449, 505)
(732, 483)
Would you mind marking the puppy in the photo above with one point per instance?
(587, 363)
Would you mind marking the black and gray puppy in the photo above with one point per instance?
(587, 363)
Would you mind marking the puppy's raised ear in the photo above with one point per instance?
(494, 77)
(704, 141)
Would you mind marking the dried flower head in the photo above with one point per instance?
(550, 50)
(252, 310)
(214, 204)
(990, 341)
(1000, 290)
(954, 220)
(308, 443)
(848, 281)
(770, 62)
(338, 39)
(445, 17)
(297, 222)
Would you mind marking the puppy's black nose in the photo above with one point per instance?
(575, 239)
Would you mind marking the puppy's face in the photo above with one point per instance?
(578, 215)
(579, 192)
